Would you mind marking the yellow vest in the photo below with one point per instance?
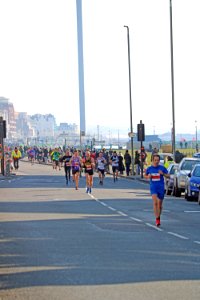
(16, 154)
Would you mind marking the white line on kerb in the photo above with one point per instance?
(135, 219)
(153, 226)
(178, 235)
(122, 214)
(197, 242)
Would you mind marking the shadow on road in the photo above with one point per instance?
(74, 243)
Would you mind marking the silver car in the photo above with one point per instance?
(169, 182)
(184, 168)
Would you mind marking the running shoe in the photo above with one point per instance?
(157, 221)
(87, 190)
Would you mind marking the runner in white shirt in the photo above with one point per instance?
(115, 165)
(101, 161)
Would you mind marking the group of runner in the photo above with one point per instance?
(155, 173)
(74, 163)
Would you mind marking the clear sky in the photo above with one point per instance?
(39, 72)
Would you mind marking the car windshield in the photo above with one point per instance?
(189, 164)
(196, 172)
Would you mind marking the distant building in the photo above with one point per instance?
(24, 129)
(43, 125)
(69, 129)
(8, 113)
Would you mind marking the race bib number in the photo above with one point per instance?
(155, 177)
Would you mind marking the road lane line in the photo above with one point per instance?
(111, 208)
(135, 219)
(122, 214)
(178, 235)
(104, 204)
(147, 224)
(197, 242)
(191, 211)
(153, 226)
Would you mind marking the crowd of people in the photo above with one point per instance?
(119, 163)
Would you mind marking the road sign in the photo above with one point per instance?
(131, 134)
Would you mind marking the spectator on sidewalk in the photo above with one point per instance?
(127, 159)
(16, 155)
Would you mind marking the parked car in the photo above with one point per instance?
(192, 184)
(184, 168)
(169, 182)
(196, 155)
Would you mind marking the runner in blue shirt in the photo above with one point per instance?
(156, 174)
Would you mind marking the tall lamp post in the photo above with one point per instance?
(130, 98)
(172, 82)
(197, 148)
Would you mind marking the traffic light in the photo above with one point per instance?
(140, 132)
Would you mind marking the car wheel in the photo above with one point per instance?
(199, 198)
(187, 197)
(177, 191)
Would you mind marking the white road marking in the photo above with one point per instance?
(122, 214)
(104, 204)
(111, 208)
(135, 219)
(197, 242)
(178, 235)
(147, 224)
(191, 211)
(153, 226)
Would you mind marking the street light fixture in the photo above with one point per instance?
(172, 82)
(130, 98)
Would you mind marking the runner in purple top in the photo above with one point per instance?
(76, 163)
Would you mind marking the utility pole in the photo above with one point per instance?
(130, 98)
(172, 82)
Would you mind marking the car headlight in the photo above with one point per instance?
(194, 184)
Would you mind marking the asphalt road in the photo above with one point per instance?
(59, 243)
